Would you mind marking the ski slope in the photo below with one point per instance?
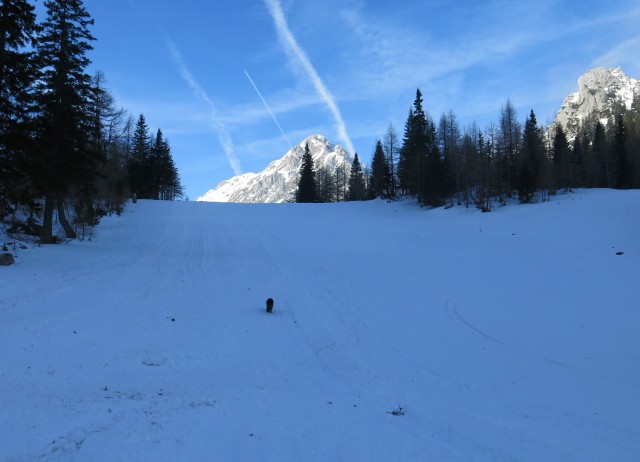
(507, 336)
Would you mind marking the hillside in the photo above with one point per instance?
(510, 335)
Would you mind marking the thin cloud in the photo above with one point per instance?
(255, 87)
(280, 21)
(623, 53)
(223, 135)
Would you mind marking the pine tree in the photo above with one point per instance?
(380, 173)
(307, 184)
(17, 77)
(63, 159)
(357, 187)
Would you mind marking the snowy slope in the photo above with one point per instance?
(279, 181)
(511, 335)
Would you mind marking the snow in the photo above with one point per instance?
(510, 335)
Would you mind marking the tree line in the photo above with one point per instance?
(64, 145)
(443, 164)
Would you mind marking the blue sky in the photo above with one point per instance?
(203, 70)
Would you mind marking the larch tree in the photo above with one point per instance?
(392, 151)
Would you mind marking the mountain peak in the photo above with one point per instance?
(603, 91)
(279, 181)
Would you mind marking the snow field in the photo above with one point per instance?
(511, 335)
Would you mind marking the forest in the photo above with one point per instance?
(444, 165)
(65, 146)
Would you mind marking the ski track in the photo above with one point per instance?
(196, 355)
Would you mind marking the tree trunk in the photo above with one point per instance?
(68, 230)
(46, 236)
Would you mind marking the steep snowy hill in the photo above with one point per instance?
(278, 182)
(399, 334)
(603, 91)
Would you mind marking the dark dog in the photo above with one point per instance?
(269, 305)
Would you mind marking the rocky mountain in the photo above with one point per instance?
(279, 181)
(603, 91)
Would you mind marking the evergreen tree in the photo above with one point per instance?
(578, 177)
(307, 184)
(140, 180)
(531, 160)
(622, 175)
(62, 159)
(560, 154)
(165, 181)
(597, 164)
(414, 149)
(357, 187)
(17, 76)
(432, 177)
(380, 173)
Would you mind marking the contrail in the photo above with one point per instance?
(275, 8)
(255, 87)
(223, 135)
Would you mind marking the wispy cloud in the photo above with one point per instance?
(223, 134)
(255, 87)
(626, 52)
(292, 46)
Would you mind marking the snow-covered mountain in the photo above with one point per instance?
(278, 182)
(603, 90)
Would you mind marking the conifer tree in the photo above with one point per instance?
(561, 154)
(531, 159)
(598, 159)
(357, 186)
(392, 151)
(578, 177)
(449, 139)
(326, 184)
(306, 191)
(139, 162)
(62, 158)
(414, 147)
(621, 168)
(509, 140)
(17, 76)
(379, 184)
